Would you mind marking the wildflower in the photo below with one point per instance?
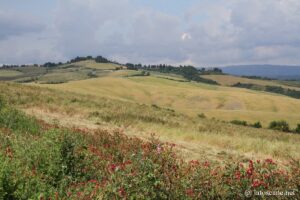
(206, 164)
(122, 192)
(9, 152)
(93, 181)
(269, 161)
(113, 167)
(249, 172)
(256, 183)
(194, 162)
(266, 176)
(79, 194)
(190, 192)
(258, 161)
(238, 175)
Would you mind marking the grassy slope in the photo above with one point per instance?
(223, 103)
(9, 73)
(197, 138)
(60, 74)
(228, 80)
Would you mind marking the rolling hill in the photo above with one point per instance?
(224, 103)
(89, 124)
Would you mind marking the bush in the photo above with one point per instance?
(280, 126)
(297, 130)
(257, 125)
(239, 122)
(202, 116)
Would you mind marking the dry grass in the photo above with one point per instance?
(9, 73)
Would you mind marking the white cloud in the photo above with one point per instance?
(186, 36)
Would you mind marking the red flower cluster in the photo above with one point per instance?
(9, 152)
(257, 183)
(250, 169)
(122, 192)
(238, 175)
(190, 192)
(270, 161)
(113, 167)
(194, 163)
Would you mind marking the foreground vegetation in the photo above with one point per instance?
(42, 161)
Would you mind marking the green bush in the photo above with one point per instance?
(239, 122)
(280, 126)
(202, 115)
(297, 130)
(257, 125)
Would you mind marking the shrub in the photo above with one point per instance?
(297, 130)
(257, 125)
(202, 116)
(280, 126)
(239, 122)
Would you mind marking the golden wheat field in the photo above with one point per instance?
(220, 102)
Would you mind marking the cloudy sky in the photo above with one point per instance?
(198, 32)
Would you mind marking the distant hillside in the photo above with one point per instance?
(270, 71)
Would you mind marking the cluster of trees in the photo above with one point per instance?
(258, 77)
(269, 88)
(211, 71)
(81, 58)
(274, 125)
(98, 59)
(171, 69)
(51, 64)
(189, 72)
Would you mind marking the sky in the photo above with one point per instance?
(198, 32)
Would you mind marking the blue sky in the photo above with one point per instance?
(198, 32)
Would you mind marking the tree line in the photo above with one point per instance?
(187, 71)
